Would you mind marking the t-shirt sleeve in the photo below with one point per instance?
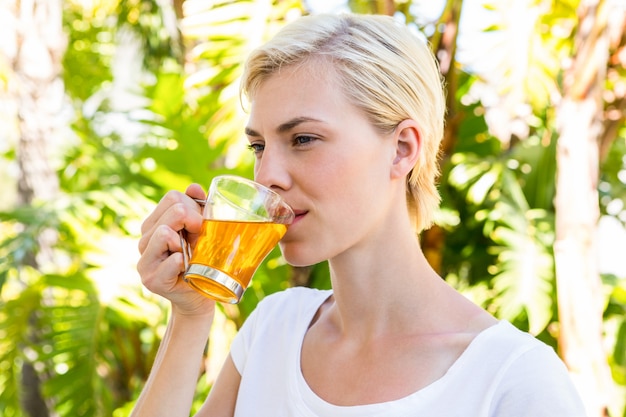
(255, 329)
(537, 384)
(243, 339)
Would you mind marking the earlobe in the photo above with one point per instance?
(408, 142)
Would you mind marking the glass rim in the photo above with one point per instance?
(260, 187)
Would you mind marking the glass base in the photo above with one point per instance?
(213, 283)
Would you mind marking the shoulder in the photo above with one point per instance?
(533, 380)
(291, 308)
(521, 349)
(292, 299)
(521, 355)
(276, 325)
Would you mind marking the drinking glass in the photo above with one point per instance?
(242, 222)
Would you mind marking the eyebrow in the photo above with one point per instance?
(284, 127)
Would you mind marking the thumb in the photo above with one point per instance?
(195, 191)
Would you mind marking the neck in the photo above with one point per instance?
(383, 287)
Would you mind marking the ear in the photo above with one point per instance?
(408, 142)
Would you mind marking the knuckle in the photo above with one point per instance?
(179, 210)
(172, 196)
(141, 245)
(163, 232)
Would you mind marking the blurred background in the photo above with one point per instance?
(107, 104)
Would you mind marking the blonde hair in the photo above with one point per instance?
(383, 69)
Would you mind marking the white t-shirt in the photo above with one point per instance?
(504, 372)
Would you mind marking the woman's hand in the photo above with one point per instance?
(161, 263)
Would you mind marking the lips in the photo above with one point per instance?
(299, 214)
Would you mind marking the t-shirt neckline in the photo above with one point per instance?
(322, 407)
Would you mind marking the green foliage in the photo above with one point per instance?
(616, 313)
(538, 42)
(502, 197)
(154, 25)
(89, 353)
(176, 150)
(615, 328)
(67, 322)
(93, 355)
(14, 329)
(89, 52)
(612, 187)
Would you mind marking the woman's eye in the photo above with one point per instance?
(257, 148)
(303, 140)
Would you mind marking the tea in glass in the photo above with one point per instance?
(243, 222)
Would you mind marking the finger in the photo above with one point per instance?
(178, 216)
(161, 262)
(195, 191)
(169, 199)
(172, 216)
(164, 276)
(172, 198)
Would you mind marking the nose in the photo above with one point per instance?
(270, 169)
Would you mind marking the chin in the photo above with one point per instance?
(298, 256)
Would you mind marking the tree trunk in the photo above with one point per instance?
(579, 290)
(38, 91)
(39, 94)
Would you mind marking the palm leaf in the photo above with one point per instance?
(524, 271)
(69, 323)
(15, 345)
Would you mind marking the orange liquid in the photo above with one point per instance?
(234, 247)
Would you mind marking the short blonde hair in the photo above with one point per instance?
(384, 69)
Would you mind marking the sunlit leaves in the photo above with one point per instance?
(480, 177)
(68, 344)
(518, 236)
(527, 44)
(15, 317)
(616, 313)
(177, 142)
(222, 33)
(524, 271)
(155, 26)
(612, 187)
(90, 49)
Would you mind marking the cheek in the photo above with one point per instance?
(350, 189)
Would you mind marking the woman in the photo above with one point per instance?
(346, 117)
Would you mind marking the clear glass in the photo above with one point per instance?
(243, 222)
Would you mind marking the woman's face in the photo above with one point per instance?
(324, 157)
